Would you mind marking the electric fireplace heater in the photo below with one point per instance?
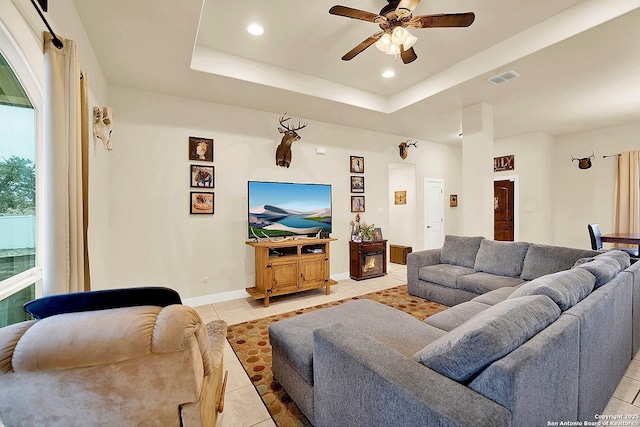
(367, 259)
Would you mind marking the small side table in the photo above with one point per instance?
(399, 254)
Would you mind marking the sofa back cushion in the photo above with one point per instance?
(460, 250)
(566, 288)
(546, 259)
(603, 268)
(501, 258)
(488, 336)
(622, 257)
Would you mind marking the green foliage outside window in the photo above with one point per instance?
(17, 186)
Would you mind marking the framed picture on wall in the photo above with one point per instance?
(357, 164)
(400, 197)
(357, 203)
(453, 200)
(357, 184)
(202, 176)
(200, 149)
(201, 202)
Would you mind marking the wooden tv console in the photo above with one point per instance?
(290, 266)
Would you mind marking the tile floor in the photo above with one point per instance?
(243, 407)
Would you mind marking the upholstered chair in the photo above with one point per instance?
(95, 364)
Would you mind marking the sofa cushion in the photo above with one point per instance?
(566, 288)
(604, 269)
(496, 296)
(622, 257)
(488, 336)
(480, 283)
(545, 259)
(501, 258)
(443, 274)
(460, 250)
(455, 316)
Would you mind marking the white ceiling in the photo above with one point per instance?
(579, 61)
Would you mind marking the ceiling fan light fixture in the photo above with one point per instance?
(394, 49)
(399, 35)
(384, 43)
(409, 41)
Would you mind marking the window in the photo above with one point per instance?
(19, 270)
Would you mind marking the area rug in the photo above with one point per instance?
(250, 342)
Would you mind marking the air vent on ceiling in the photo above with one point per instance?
(501, 78)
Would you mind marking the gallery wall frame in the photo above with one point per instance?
(202, 176)
(357, 203)
(201, 149)
(357, 184)
(357, 164)
(201, 202)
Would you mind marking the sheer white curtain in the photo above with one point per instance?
(626, 213)
(64, 172)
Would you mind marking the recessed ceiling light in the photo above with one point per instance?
(388, 74)
(255, 29)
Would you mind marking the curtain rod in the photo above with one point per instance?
(56, 41)
(612, 155)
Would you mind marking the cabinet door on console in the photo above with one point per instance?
(283, 276)
(313, 271)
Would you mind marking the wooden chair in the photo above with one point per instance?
(596, 242)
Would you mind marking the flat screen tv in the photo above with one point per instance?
(288, 209)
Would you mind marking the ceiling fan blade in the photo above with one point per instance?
(362, 46)
(353, 13)
(408, 56)
(444, 20)
(407, 5)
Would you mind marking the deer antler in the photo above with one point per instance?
(283, 119)
(409, 143)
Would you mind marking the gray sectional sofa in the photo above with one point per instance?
(466, 267)
(549, 350)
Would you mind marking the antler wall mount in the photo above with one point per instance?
(585, 162)
(290, 135)
(404, 147)
(393, 20)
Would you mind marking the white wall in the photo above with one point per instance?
(153, 238)
(402, 218)
(533, 166)
(438, 161)
(584, 196)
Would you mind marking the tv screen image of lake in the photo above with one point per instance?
(283, 209)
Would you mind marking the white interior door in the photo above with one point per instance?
(433, 213)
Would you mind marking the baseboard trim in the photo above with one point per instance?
(214, 298)
(231, 295)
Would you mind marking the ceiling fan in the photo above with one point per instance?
(393, 19)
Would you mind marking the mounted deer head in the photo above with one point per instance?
(102, 125)
(283, 152)
(404, 147)
(584, 163)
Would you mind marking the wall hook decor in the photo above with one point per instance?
(283, 152)
(103, 124)
(404, 147)
(585, 162)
